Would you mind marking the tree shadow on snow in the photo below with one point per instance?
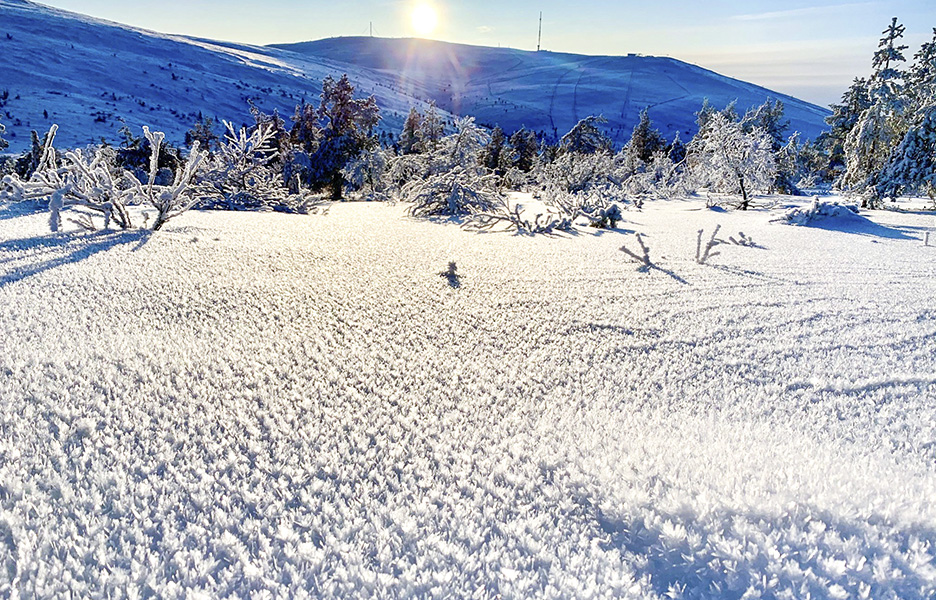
(860, 225)
(38, 254)
(20, 209)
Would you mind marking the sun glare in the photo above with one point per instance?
(424, 19)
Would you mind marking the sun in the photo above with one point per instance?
(424, 19)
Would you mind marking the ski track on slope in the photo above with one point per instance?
(265, 405)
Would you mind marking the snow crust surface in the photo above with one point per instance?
(263, 405)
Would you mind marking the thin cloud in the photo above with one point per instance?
(485, 29)
(800, 12)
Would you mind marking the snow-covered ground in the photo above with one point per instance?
(267, 405)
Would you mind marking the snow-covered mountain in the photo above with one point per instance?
(87, 74)
(549, 91)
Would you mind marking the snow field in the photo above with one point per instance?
(265, 405)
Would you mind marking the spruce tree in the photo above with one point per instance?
(843, 119)
(881, 126)
(586, 138)
(333, 134)
(676, 150)
(644, 143)
(203, 132)
(494, 155)
(525, 148)
(409, 137)
(431, 129)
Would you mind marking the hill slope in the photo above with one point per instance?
(86, 74)
(550, 92)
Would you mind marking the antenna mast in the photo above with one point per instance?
(539, 38)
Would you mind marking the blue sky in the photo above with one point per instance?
(808, 49)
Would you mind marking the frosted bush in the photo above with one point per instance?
(90, 184)
(515, 218)
(820, 210)
(457, 192)
(241, 176)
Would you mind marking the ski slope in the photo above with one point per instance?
(264, 405)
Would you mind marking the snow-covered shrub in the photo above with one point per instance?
(515, 218)
(460, 191)
(456, 184)
(703, 253)
(585, 185)
(89, 183)
(3, 143)
(660, 178)
(80, 179)
(819, 210)
(169, 200)
(240, 177)
(643, 258)
(368, 174)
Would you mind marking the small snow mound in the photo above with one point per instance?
(820, 210)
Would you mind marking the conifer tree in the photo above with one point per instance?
(676, 150)
(431, 130)
(644, 143)
(525, 148)
(333, 134)
(409, 137)
(203, 132)
(496, 155)
(843, 119)
(879, 128)
(586, 138)
(769, 118)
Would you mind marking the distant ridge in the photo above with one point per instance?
(91, 76)
(551, 91)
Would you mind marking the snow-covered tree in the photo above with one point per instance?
(586, 137)
(659, 178)
(676, 150)
(769, 118)
(496, 156)
(843, 119)
(729, 160)
(368, 174)
(409, 137)
(525, 147)
(204, 133)
(887, 76)
(431, 130)
(880, 127)
(911, 166)
(644, 143)
(328, 137)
